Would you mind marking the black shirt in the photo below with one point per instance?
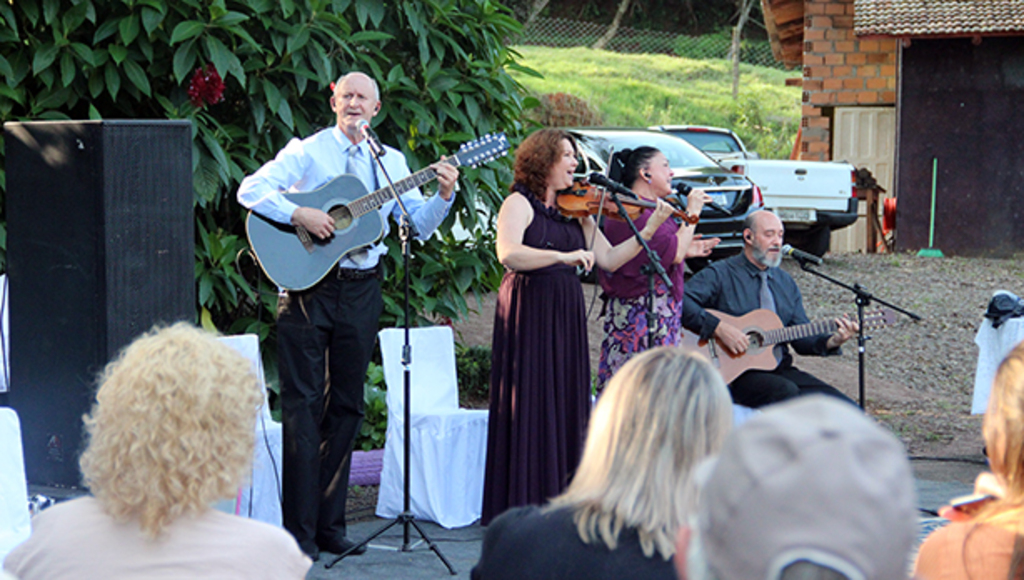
(732, 286)
(529, 543)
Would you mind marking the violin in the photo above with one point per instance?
(583, 199)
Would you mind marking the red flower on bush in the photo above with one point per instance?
(206, 86)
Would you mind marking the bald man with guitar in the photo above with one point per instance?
(745, 312)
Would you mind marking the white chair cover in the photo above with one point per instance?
(993, 346)
(260, 498)
(15, 525)
(447, 444)
(5, 348)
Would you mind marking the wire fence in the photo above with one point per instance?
(564, 33)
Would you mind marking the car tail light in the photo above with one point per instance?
(739, 169)
(758, 198)
(853, 183)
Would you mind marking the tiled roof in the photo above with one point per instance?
(937, 17)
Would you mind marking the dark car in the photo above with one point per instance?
(730, 191)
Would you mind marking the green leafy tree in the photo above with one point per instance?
(252, 74)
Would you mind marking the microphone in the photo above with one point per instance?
(683, 190)
(800, 255)
(609, 184)
(371, 136)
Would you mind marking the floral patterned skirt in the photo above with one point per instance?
(625, 329)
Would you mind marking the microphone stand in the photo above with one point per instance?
(862, 298)
(652, 267)
(406, 230)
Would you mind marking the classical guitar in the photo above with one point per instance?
(764, 330)
(296, 260)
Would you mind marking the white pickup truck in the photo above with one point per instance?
(811, 197)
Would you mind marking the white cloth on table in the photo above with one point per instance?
(993, 345)
(5, 349)
(260, 497)
(15, 524)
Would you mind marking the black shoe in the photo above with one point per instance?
(311, 550)
(340, 546)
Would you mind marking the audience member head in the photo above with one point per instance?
(1003, 430)
(810, 489)
(536, 156)
(172, 428)
(662, 413)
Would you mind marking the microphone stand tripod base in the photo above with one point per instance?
(405, 519)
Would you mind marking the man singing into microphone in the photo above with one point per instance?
(326, 334)
(747, 282)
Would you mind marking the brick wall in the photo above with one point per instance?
(840, 70)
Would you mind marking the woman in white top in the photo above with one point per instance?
(171, 432)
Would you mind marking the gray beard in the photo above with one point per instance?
(762, 258)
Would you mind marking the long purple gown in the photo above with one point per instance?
(540, 374)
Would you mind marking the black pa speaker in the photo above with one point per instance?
(100, 237)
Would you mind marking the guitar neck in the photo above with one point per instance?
(372, 201)
(791, 333)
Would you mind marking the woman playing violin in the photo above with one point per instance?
(540, 373)
(646, 171)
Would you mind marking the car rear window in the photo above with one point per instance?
(705, 141)
(680, 154)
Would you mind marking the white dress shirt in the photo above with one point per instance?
(307, 164)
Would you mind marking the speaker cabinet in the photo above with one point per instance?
(100, 235)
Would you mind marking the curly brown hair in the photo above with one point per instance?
(536, 155)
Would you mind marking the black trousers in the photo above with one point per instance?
(759, 388)
(326, 337)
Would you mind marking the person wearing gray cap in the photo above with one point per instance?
(810, 489)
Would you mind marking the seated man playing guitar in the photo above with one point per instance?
(737, 287)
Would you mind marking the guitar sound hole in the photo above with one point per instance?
(755, 339)
(342, 217)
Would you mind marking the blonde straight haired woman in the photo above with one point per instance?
(171, 432)
(660, 415)
(988, 542)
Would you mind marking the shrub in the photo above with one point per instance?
(252, 74)
(373, 433)
(564, 110)
(474, 368)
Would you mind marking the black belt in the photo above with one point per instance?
(357, 274)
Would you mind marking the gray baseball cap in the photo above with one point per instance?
(809, 479)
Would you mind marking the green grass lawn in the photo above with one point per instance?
(638, 90)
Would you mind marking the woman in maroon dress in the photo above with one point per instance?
(540, 373)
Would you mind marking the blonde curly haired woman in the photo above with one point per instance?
(663, 412)
(171, 432)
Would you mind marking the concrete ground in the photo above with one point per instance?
(937, 482)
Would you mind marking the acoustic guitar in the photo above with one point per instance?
(764, 330)
(295, 260)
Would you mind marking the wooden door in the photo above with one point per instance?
(865, 137)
